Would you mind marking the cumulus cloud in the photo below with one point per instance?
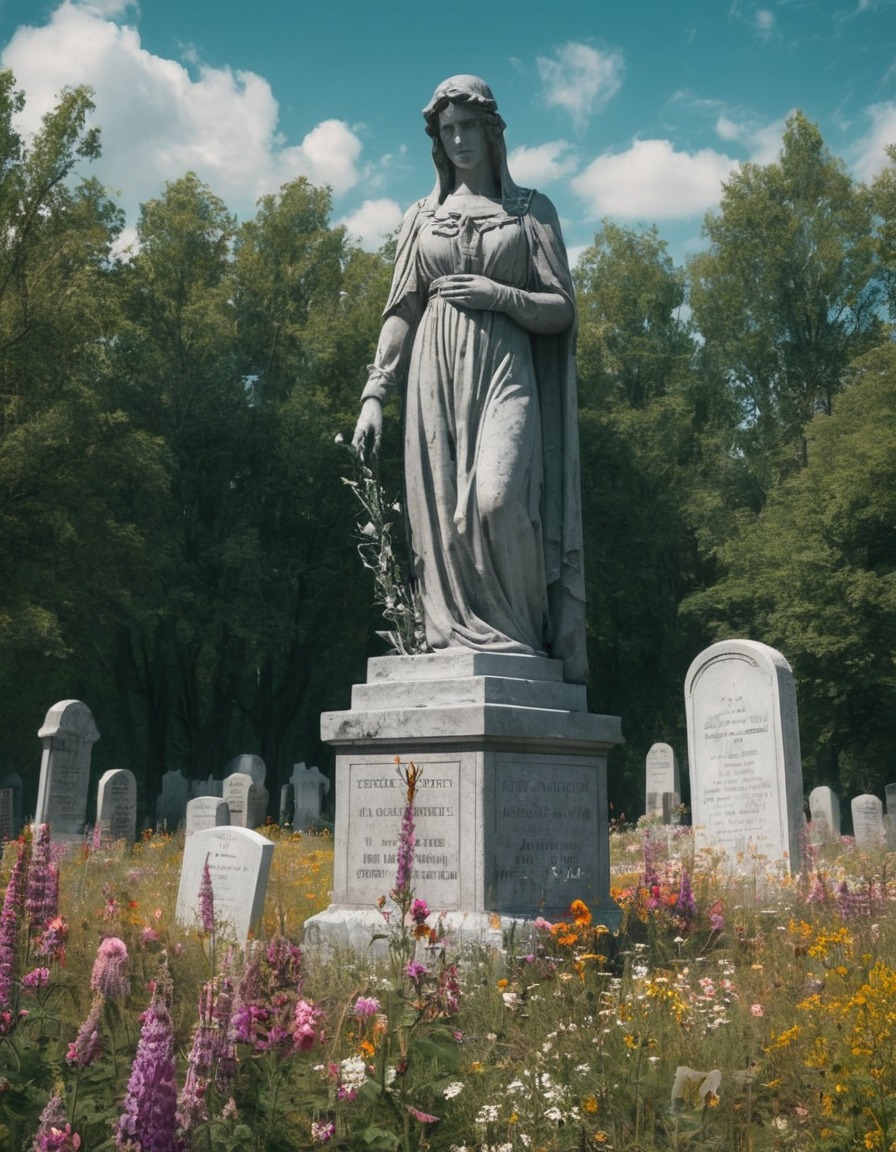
(870, 153)
(372, 222)
(542, 164)
(762, 141)
(653, 181)
(580, 79)
(159, 120)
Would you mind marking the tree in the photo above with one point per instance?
(787, 295)
(815, 576)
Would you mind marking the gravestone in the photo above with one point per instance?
(824, 815)
(68, 736)
(171, 806)
(744, 753)
(868, 823)
(890, 817)
(511, 808)
(7, 815)
(308, 784)
(662, 777)
(13, 781)
(247, 800)
(239, 862)
(248, 765)
(116, 805)
(206, 812)
(209, 787)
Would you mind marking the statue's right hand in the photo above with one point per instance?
(369, 430)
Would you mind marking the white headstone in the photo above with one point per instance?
(247, 800)
(662, 776)
(868, 823)
(744, 753)
(171, 806)
(68, 735)
(248, 765)
(308, 784)
(824, 815)
(239, 862)
(116, 804)
(206, 812)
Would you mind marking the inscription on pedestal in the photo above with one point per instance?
(376, 804)
(544, 827)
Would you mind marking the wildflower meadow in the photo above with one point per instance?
(736, 1010)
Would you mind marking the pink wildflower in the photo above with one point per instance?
(110, 969)
(415, 971)
(366, 1006)
(10, 923)
(55, 1133)
(193, 1109)
(322, 1131)
(305, 1034)
(42, 901)
(206, 901)
(757, 1010)
(88, 1044)
(422, 1117)
(36, 978)
(419, 911)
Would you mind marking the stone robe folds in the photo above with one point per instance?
(491, 434)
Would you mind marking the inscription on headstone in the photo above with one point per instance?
(868, 823)
(239, 863)
(744, 753)
(246, 799)
(13, 781)
(7, 823)
(662, 777)
(206, 812)
(68, 736)
(116, 804)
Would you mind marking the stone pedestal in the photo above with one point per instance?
(511, 808)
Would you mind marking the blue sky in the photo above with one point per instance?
(635, 110)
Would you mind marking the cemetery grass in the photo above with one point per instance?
(739, 1011)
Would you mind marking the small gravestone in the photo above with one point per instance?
(247, 799)
(309, 786)
(824, 815)
(68, 736)
(7, 821)
(206, 812)
(209, 787)
(662, 777)
(116, 805)
(890, 817)
(868, 823)
(13, 781)
(171, 806)
(247, 765)
(744, 753)
(287, 804)
(239, 862)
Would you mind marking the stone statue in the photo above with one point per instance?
(479, 328)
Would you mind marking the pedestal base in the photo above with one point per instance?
(511, 807)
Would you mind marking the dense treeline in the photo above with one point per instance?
(176, 547)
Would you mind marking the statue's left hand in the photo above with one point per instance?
(468, 291)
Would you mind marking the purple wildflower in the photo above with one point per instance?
(406, 841)
(206, 901)
(52, 940)
(10, 922)
(285, 962)
(42, 901)
(225, 1052)
(686, 906)
(110, 969)
(36, 978)
(305, 1033)
(193, 1109)
(88, 1044)
(366, 1006)
(149, 1121)
(415, 971)
(419, 911)
(322, 1131)
(55, 1133)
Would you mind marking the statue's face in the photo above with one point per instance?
(463, 137)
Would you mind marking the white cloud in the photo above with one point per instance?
(870, 152)
(580, 79)
(158, 120)
(765, 22)
(373, 222)
(652, 181)
(542, 164)
(763, 142)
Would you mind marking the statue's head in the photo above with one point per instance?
(473, 94)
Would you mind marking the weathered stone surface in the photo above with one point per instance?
(206, 812)
(744, 753)
(824, 815)
(868, 823)
(239, 862)
(662, 777)
(68, 736)
(116, 804)
(246, 799)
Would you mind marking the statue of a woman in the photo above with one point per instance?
(480, 330)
